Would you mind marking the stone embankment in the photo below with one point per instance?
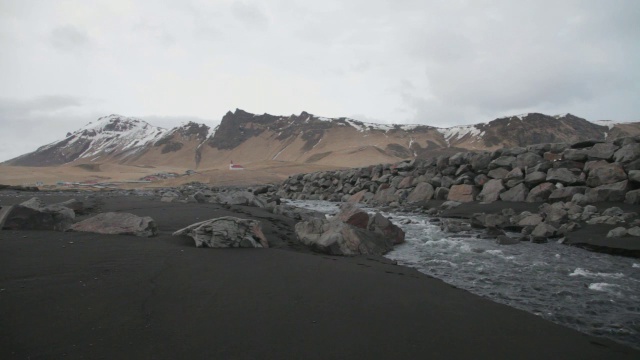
(565, 178)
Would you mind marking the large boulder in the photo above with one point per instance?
(118, 224)
(627, 153)
(338, 238)
(422, 192)
(609, 192)
(33, 214)
(540, 192)
(634, 176)
(382, 225)
(462, 193)
(564, 176)
(516, 193)
(491, 190)
(353, 215)
(606, 174)
(602, 151)
(566, 193)
(632, 197)
(239, 198)
(226, 232)
(534, 178)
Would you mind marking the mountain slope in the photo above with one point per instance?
(248, 138)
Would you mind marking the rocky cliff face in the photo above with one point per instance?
(246, 138)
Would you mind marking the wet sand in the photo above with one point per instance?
(78, 295)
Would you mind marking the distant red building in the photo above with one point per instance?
(233, 166)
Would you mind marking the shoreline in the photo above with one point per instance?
(89, 295)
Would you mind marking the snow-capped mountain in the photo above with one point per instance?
(252, 138)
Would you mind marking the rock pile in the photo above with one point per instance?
(584, 173)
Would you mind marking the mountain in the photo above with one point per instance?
(249, 138)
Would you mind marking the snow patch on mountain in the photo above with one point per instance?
(115, 132)
(459, 132)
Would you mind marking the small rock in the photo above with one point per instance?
(617, 232)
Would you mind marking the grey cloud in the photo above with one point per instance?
(69, 38)
(250, 15)
(19, 107)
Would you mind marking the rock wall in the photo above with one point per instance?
(584, 172)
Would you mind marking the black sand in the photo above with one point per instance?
(75, 295)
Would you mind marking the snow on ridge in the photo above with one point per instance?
(459, 132)
(128, 133)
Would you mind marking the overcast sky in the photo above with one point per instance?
(64, 63)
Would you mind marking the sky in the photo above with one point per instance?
(65, 63)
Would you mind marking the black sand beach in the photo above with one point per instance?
(78, 295)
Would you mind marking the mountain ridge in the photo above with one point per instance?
(305, 138)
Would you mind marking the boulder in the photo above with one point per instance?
(226, 232)
(575, 154)
(602, 151)
(563, 176)
(535, 178)
(617, 232)
(591, 165)
(385, 195)
(531, 220)
(627, 153)
(528, 159)
(606, 174)
(507, 162)
(441, 193)
(118, 224)
(462, 193)
(506, 240)
(634, 231)
(382, 225)
(498, 173)
(632, 197)
(543, 230)
(357, 197)
(634, 176)
(73, 204)
(422, 192)
(516, 193)
(566, 193)
(540, 192)
(353, 215)
(338, 238)
(491, 191)
(34, 215)
(609, 192)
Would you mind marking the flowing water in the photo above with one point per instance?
(595, 293)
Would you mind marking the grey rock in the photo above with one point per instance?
(516, 193)
(566, 193)
(627, 153)
(462, 193)
(602, 151)
(422, 192)
(634, 176)
(540, 192)
(606, 174)
(450, 205)
(543, 230)
(507, 162)
(575, 154)
(617, 232)
(226, 232)
(591, 165)
(441, 193)
(383, 226)
(498, 173)
(535, 178)
(613, 211)
(632, 197)
(564, 176)
(531, 220)
(338, 238)
(118, 224)
(609, 192)
(491, 191)
(454, 225)
(528, 159)
(506, 240)
(634, 231)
